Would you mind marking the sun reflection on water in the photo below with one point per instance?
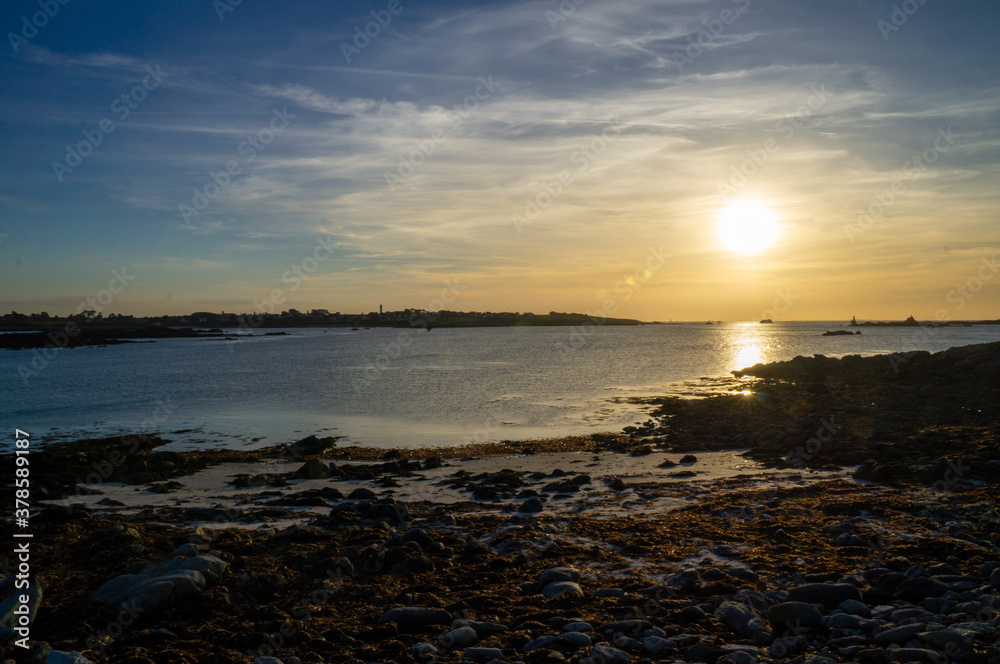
(750, 346)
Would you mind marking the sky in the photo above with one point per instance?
(171, 157)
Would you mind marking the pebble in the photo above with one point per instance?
(738, 657)
(540, 642)
(459, 638)
(828, 594)
(560, 588)
(656, 645)
(856, 608)
(578, 626)
(606, 655)
(562, 573)
(574, 640)
(626, 627)
(63, 657)
(480, 654)
(416, 616)
(424, 650)
(789, 614)
(531, 506)
(898, 634)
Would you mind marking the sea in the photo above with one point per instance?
(386, 387)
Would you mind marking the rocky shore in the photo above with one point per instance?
(824, 511)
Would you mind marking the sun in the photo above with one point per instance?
(747, 227)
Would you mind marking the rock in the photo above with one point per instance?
(693, 613)
(424, 650)
(626, 627)
(916, 655)
(267, 660)
(854, 607)
(539, 643)
(848, 539)
(689, 458)
(310, 445)
(482, 628)
(819, 659)
(314, 470)
(481, 654)
(578, 626)
(574, 640)
(189, 549)
(737, 657)
(432, 462)
(842, 621)
(919, 589)
(63, 657)
(628, 643)
(415, 616)
(562, 573)
(828, 594)
(947, 640)
(606, 655)
(898, 634)
(912, 615)
(531, 506)
(744, 620)
(560, 588)
(393, 512)
(656, 645)
(159, 585)
(701, 653)
(790, 615)
(460, 638)
(667, 463)
(361, 493)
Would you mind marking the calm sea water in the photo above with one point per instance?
(386, 387)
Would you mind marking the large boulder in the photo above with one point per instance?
(161, 584)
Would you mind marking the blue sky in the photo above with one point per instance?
(434, 154)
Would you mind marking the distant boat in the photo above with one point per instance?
(709, 323)
(840, 333)
(354, 329)
(767, 320)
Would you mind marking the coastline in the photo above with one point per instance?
(878, 473)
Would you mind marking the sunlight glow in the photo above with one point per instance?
(747, 227)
